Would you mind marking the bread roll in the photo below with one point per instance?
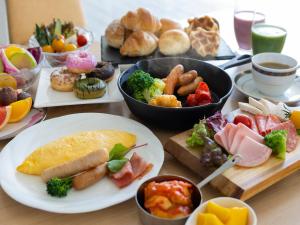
(142, 20)
(115, 34)
(167, 24)
(139, 43)
(174, 42)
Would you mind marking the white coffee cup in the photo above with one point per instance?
(270, 81)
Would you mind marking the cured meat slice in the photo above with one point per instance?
(261, 121)
(252, 153)
(292, 138)
(133, 169)
(272, 121)
(231, 134)
(220, 138)
(243, 131)
(254, 127)
(124, 177)
(138, 164)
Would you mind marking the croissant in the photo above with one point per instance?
(141, 19)
(139, 43)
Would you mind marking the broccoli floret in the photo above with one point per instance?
(154, 90)
(59, 187)
(138, 95)
(276, 140)
(139, 80)
(194, 140)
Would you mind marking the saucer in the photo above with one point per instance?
(245, 84)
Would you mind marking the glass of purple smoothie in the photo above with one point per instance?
(244, 17)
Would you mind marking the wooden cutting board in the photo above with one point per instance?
(238, 182)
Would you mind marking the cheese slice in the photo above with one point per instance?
(73, 147)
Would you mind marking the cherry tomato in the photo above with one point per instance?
(47, 48)
(203, 86)
(203, 95)
(244, 120)
(81, 40)
(58, 44)
(191, 100)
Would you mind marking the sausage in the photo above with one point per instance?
(73, 167)
(172, 79)
(89, 177)
(187, 77)
(189, 88)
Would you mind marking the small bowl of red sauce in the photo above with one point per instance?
(167, 199)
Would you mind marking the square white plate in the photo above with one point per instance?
(47, 97)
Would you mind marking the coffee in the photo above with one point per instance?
(274, 65)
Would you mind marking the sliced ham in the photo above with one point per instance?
(292, 138)
(254, 127)
(252, 152)
(231, 134)
(220, 137)
(272, 121)
(134, 168)
(242, 132)
(261, 121)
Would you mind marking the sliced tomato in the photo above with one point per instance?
(191, 100)
(203, 86)
(244, 119)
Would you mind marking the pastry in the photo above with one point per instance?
(89, 88)
(141, 19)
(115, 34)
(104, 71)
(206, 22)
(167, 24)
(204, 35)
(81, 62)
(139, 43)
(62, 80)
(174, 42)
(165, 101)
(205, 42)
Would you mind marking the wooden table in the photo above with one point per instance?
(278, 205)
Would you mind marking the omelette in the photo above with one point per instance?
(73, 147)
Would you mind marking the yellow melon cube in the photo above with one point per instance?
(208, 219)
(238, 216)
(221, 212)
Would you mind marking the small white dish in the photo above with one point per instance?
(31, 190)
(226, 202)
(47, 97)
(12, 129)
(244, 83)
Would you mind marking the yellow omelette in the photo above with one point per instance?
(73, 147)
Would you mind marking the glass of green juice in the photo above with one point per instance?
(267, 38)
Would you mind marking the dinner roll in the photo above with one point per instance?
(167, 24)
(174, 42)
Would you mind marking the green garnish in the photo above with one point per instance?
(59, 187)
(276, 140)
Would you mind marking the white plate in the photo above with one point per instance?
(47, 97)
(31, 191)
(245, 84)
(12, 129)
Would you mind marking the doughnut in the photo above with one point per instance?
(62, 80)
(104, 71)
(81, 62)
(89, 88)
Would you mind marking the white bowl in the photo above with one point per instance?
(226, 202)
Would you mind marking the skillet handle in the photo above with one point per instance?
(236, 61)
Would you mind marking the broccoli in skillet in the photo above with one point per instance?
(59, 187)
(138, 82)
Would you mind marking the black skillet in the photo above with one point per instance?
(216, 77)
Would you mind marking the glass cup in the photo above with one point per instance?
(243, 21)
(267, 38)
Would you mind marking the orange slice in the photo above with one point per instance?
(20, 109)
(7, 80)
(5, 113)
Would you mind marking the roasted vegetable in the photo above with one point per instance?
(138, 82)
(154, 90)
(59, 187)
(276, 140)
